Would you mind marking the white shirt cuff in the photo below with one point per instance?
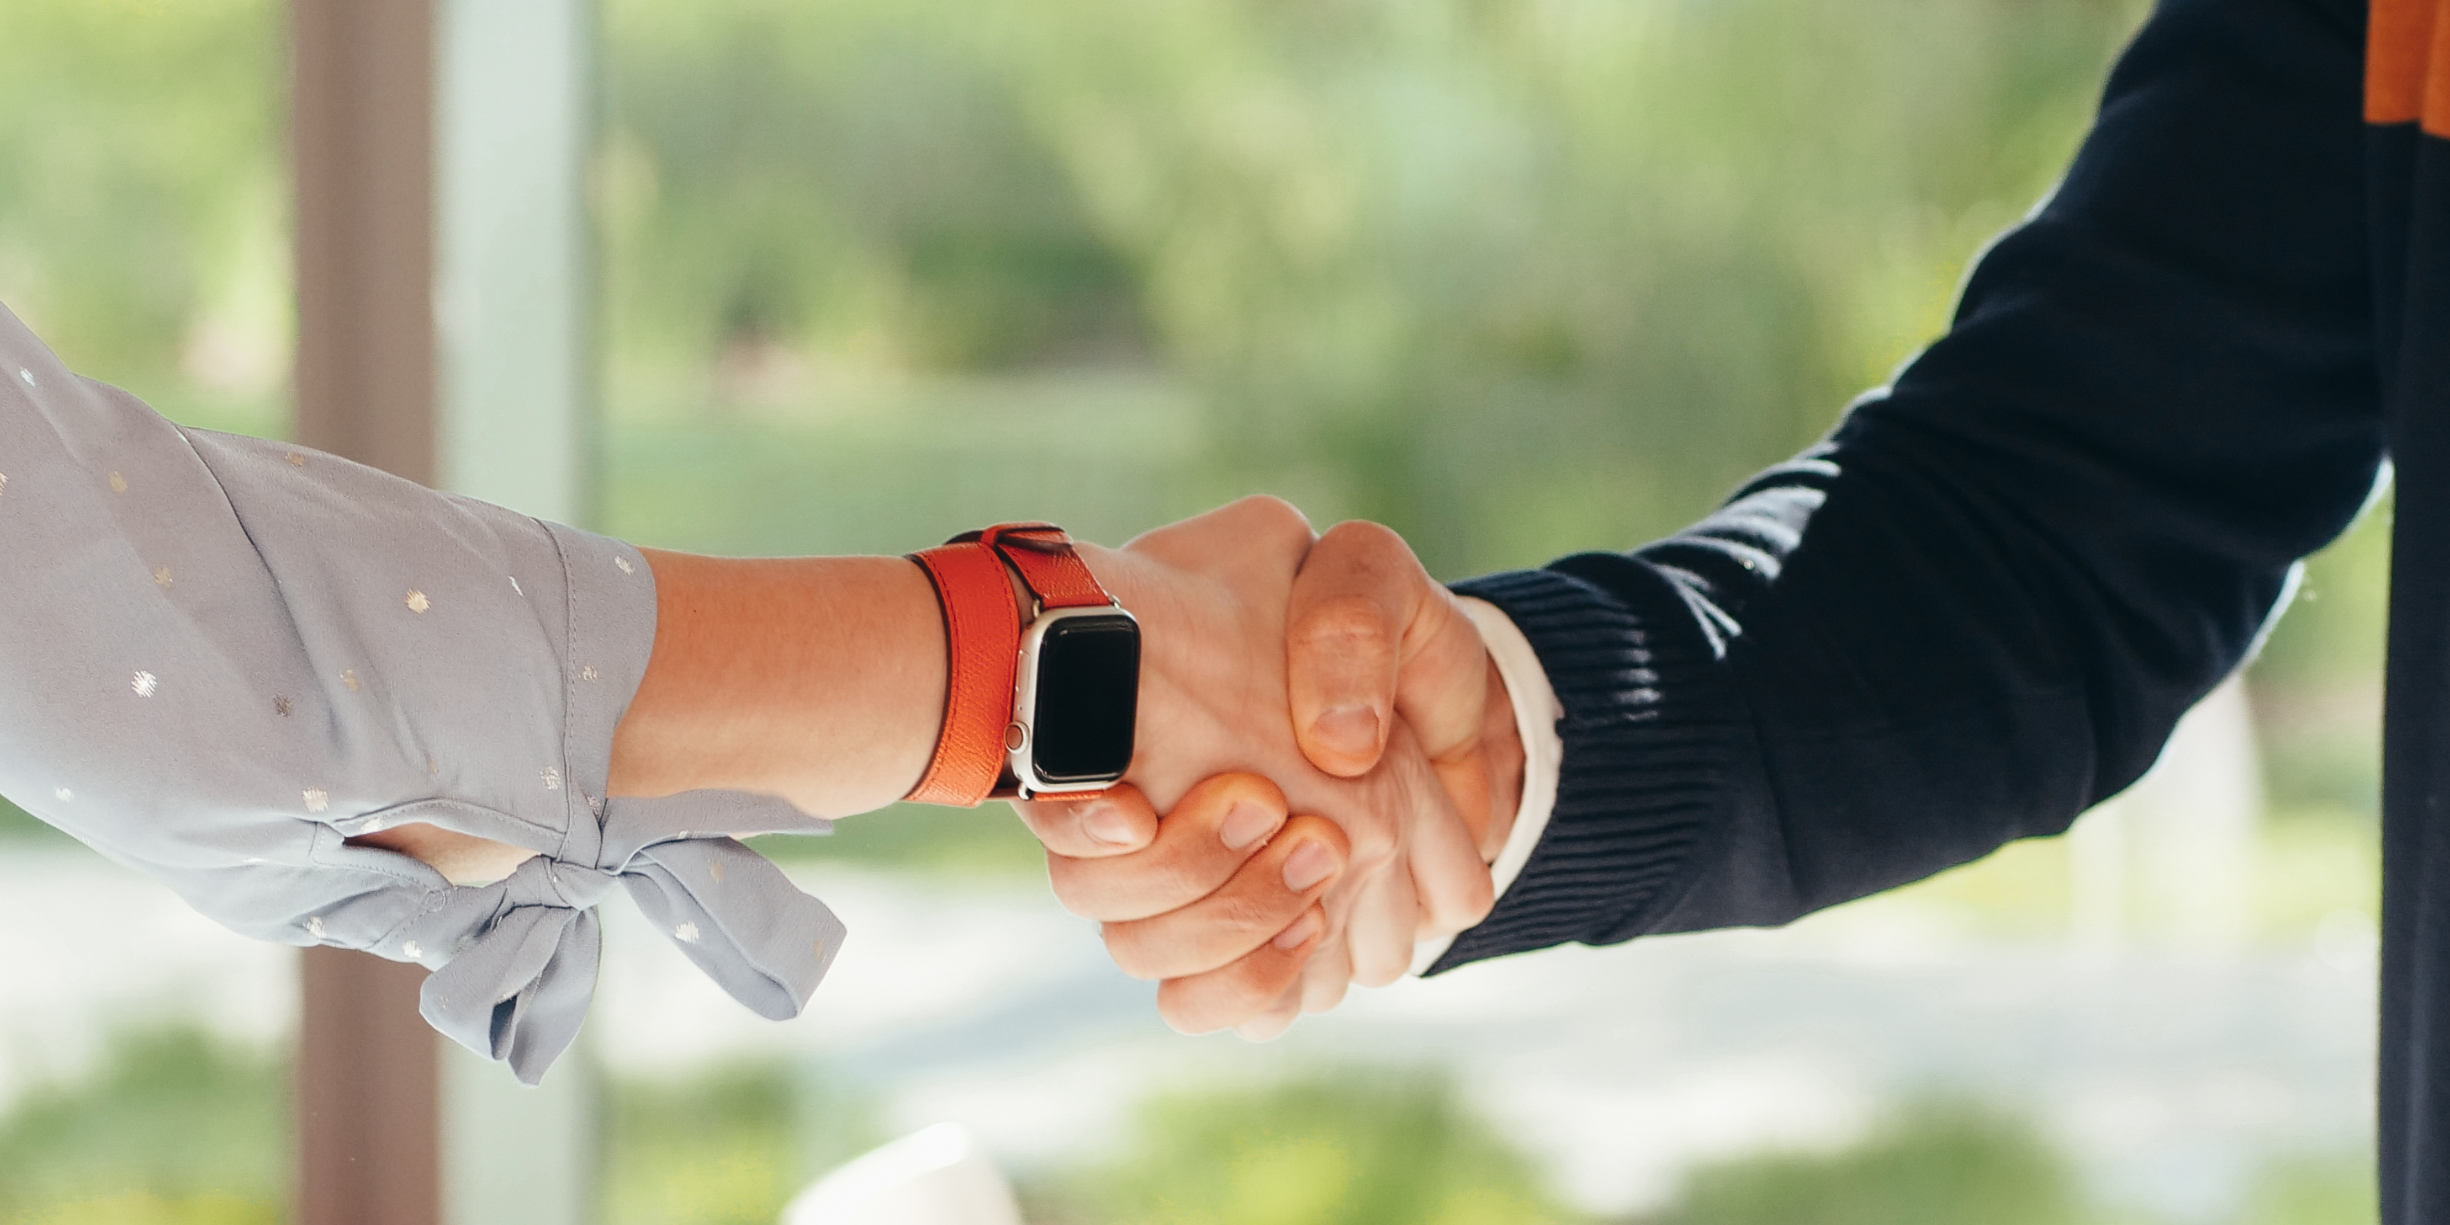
(1536, 712)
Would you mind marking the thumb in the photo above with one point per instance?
(1369, 638)
(1344, 628)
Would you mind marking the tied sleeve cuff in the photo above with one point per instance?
(519, 956)
(229, 656)
(1647, 753)
(515, 961)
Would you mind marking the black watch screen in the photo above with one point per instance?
(1088, 698)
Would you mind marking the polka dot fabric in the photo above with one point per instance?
(221, 658)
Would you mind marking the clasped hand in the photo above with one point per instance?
(1332, 749)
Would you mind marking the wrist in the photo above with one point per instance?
(1502, 750)
(1043, 670)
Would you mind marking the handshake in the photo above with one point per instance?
(1333, 753)
(1332, 748)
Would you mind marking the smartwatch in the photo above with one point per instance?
(1043, 686)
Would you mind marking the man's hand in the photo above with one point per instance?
(1371, 639)
(1212, 595)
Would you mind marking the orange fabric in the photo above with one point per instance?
(1053, 571)
(2407, 64)
(1048, 563)
(982, 630)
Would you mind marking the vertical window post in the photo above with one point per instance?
(512, 118)
(361, 150)
(441, 253)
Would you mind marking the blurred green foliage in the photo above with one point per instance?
(987, 840)
(726, 1146)
(2318, 684)
(2333, 1189)
(1516, 279)
(1946, 1159)
(717, 1149)
(174, 1128)
(1362, 1148)
(143, 201)
(1937, 1161)
(19, 827)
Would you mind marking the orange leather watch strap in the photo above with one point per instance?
(982, 629)
(1048, 563)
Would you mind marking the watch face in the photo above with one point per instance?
(1088, 697)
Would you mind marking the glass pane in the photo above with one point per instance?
(1518, 280)
(144, 235)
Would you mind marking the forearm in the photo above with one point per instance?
(1982, 604)
(816, 679)
(819, 680)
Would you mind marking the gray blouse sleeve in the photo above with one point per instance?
(222, 657)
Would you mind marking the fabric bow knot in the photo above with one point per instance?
(519, 984)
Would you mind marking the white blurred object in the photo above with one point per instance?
(2178, 846)
(935, 1176)
(2097, 863)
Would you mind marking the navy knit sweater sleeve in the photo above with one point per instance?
(1979, 607)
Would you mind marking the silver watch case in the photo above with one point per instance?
(1020, 740)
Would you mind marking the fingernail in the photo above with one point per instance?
(1303, 929)
(1308, 865)
(1246, 824)
(1349, 729)
(1108, 824)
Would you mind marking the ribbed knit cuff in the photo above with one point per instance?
(1651, 739)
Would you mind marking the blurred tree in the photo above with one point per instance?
(1515, 279)
(175, 1128)
(2334, 1190)
(1939, 1161)
(1363, 1148)
(855, 179)
(712, 1149)
(143, 201)
(2318, 684)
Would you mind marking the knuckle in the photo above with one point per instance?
(1177, 885)
(1206, 1003)
(1374, 975)
(1076, 905)
(1246, 912)
(1331, 833)
(1272, 511)
(1368, 541)
(1322, 994)
(1222, 791)
(1343, 624)
(1128, 952)
(1183, 1017)
(1090, 888)
(1371, 845)
(1273, 520)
